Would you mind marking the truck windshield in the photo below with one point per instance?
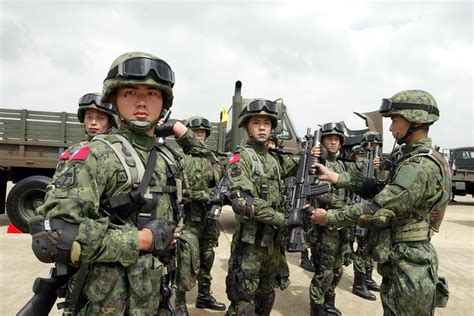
(467, 154)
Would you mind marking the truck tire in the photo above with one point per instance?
(24, 198)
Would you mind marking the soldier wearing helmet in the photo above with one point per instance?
(357, 152)
(405, 214)
(328, 246)
(204, 172)
(109, 220)
(257, 264)
(97, 117)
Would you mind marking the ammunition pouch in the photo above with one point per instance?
(234, 282)
(52, 241)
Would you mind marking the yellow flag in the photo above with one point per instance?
(224, 115)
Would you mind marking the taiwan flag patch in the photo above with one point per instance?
(235, 158)
(80, 154)
(65, 155)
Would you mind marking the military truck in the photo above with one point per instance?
(31, 142)
(461, 162)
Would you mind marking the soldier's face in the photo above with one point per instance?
(139, 102)
(96, 122)
(200, 133)
(259, 127)
(332, 143)
(399, 126)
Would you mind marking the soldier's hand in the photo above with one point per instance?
(163, 236)
(376, 161)
(325, 174)
(165, 129)
(240, 207)
(320, 152)
(319, 216)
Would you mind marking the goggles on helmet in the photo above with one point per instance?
(332, 126)
(141, 67)
(90, 98)
(373, 138)
(260, 105)
(388, 105)
(199, 122)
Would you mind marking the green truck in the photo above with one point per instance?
(461, 162)
(31, 142)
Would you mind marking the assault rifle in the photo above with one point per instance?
(47, 291)
(219, 198)
(306, 185)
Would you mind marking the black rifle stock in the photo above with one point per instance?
(306, 185)
(46, 294)
(219, 198)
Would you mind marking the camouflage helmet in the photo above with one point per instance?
(259, 107)
(371, 137)
(416, 106)
(140, 68)
(357, 149)
(93, 101)
(199, 122)
(333, 129)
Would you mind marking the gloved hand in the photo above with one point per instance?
(166, 129)
(296, 217)
(381, 219)
(163, 236)
(241, 205)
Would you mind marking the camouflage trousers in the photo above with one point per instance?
(265, 268)
(327, 254)
(111, 289)
(207, 231)
(409, 279)
(361, 259)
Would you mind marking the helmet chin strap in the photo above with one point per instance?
(409, 132)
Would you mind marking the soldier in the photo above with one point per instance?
(204, 174)
(406, 212)
(328, 245)
(357, 152)
(97, 117)
(362, 262)
(257, 262)
(108, 220)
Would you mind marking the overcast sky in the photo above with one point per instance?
(325, 60)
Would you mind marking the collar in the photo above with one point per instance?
(139, 140)
(258, 147)
(424, 143)
(331, 157)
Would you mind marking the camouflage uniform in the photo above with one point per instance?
(203, 173)
(257, 264)
(405, 213)
(114, 277)
(328, 248)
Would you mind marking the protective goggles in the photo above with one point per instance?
(199, 122)
(373, 138)
(141, 67)
(262, 105)
(388, 105)
(332, 126)
(92, 98)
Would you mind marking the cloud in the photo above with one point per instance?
(325, 61)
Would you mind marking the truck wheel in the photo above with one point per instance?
(24, 198)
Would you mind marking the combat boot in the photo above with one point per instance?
(329, 307)
(371, 284)
(359, 287)
(180, 308)
(316, 309)
(305, 263)
(206, 300)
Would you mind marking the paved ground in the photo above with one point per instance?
(454, 244)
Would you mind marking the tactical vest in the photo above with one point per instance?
(256, 232)
(135, 172)
(419, 225)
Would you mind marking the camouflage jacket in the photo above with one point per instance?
(255, 171)
(95, 173)
(417, 187)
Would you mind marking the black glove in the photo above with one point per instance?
(242, 206)
(296, 217)
(165, 129)
(163, 236)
